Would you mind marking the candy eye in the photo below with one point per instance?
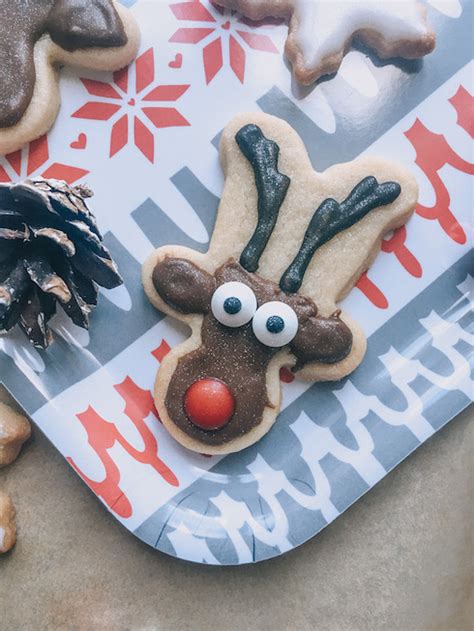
(233, 304)
(275, 324)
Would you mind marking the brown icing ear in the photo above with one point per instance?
(183, 285)
(319, 339)
(77, 24)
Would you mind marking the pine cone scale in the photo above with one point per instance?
(79, 231)
(86, 288)
(44, 276)
(10, 219)
(57, 198)
(6, 250)
(11, 234)
(76, 307)
(57, 237)
(12, 290)
(101, 270)
(34, 318)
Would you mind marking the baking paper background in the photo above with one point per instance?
(146, 141)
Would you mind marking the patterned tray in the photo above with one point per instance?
(145, 140)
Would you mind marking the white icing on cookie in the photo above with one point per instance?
(321, 31)
(325, 27)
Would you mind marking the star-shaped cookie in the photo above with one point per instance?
(321, 31)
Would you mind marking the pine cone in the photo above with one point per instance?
(50, 251)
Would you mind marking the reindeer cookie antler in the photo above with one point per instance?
(321, 31)
(288, 244)
(38, 35)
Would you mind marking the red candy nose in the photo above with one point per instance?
(209, 403)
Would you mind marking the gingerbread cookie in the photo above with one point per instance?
(51, 252)
(288, 244)
(36, 37)
(321, 32)
(14, 431)
(7, 523)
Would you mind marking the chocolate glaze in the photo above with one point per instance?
(72, 24)
(234, 355)
(326, 340)
(183, 285)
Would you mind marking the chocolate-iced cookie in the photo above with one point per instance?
(288, 244)
(36, 37)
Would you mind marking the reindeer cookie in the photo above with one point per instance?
(321, 31)
(288, 244)
(36, 37)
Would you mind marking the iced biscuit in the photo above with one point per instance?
(288, 244)
(321, 31)
(36, 38)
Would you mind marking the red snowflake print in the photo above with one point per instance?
(219, 30)
(34, 160)
(134, 105)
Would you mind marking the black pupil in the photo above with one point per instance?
(275, 324)
(232, 305)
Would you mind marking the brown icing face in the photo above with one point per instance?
(72, 24)
(234, 355)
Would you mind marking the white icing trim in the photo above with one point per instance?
(325, 27)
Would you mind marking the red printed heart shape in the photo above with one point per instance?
(177, 62)
(80, 142)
